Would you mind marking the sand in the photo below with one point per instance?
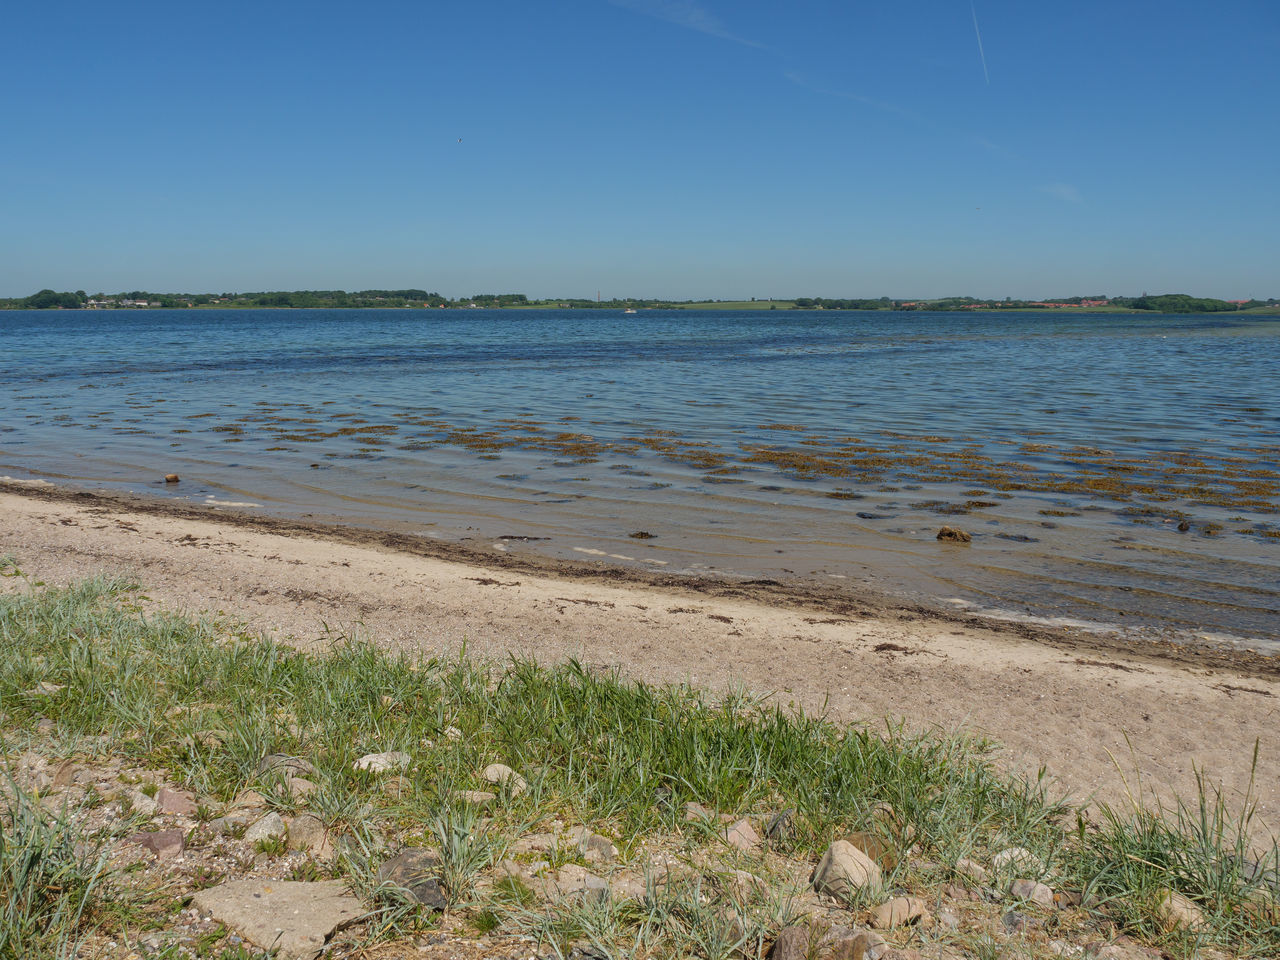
(1100, 714)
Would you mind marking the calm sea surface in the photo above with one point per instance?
(1115, 470)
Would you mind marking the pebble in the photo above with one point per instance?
(1177, 912)
(899, 912)
(165, 844)
(971, 869)
(593, 847)
(504, 776)
(416, 871)
(742, 836)
(383, 762)
(270, 827)
(176, 801)
(141, 804)
(1032, 892)
(1018, 858)
(45, 689)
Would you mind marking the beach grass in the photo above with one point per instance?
(107, 672)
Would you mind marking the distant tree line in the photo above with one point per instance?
(1182, 303)
(49, 300)
(822, 303)
(413, 297)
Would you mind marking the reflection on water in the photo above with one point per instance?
(1123, 470)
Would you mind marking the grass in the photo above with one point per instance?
(50, 880)
(207, 700)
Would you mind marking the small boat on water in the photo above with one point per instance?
(629, 310)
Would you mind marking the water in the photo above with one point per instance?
(819, 446)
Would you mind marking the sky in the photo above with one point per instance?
(643, 148)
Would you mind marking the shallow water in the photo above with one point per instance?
(827, 446)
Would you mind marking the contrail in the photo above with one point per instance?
(978, 34)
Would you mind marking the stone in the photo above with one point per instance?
(452, 734)
(593, 847)
(948, 919)
(781, 826)
(504, 776)
(307, 832)
(477, 798)
(1016, 922)
(875, 847)
(1176, 912)
(300, 788)
(392, 760)
(744, 885)
(65, 774)
(176, 801)
(292, 917)
(694, 812)
(843, 870)
(172, 478)
(141, 804)
(872, 945)
(843, 943)
(958, 891)
(953, 535)
(284, 764)
(628, 887)
(793, 943)
(416, 871)
(397, 787)
(971, 869)
(45, 689)
(1122, 948)
(270, 827)
(573, 880)
(1017, 858)
(534, 843)
(742, 836)
(1032, 892)
(231, 824)
(165, 844)
(1065, 899)
(899, 912)
(248, 799)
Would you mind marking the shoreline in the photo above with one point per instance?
(1103, 715)
(794, 593)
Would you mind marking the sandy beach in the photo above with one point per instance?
(1099, 714)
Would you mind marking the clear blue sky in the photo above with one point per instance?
(664, 148)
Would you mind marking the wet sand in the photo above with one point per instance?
(1099, 712)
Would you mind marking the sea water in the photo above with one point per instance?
(1116, 471)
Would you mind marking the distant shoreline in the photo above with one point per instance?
(1253, 312)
